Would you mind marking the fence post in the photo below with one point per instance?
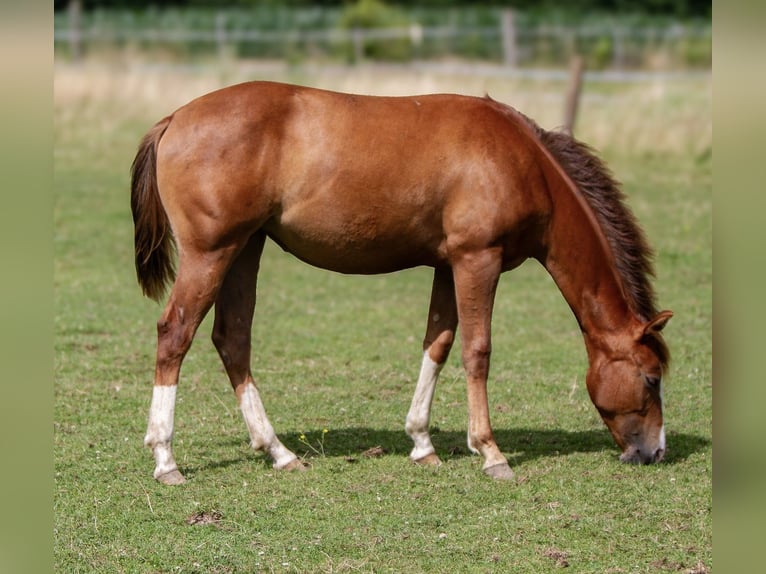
(75, 29)
(572, 101)
(508, 33)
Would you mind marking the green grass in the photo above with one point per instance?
(342, 353)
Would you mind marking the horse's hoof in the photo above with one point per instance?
(171, 478)
(499, 471)
(429, 460)
(294, 464)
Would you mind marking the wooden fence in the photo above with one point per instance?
(514, 44)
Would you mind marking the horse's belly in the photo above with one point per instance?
(355, 246)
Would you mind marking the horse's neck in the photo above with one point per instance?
(580, 262)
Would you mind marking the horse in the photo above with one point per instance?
(366, 185)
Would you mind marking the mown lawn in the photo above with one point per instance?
(342, 354)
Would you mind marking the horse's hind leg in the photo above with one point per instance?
(440, 334)
(195, 288)
(234, 309)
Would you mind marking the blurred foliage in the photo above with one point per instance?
(374, 14)
(674, 8)
(392, 32)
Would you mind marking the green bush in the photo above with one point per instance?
(376, 15)
(601, 53)
(695, 52)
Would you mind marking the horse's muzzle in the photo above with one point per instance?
(635, 455)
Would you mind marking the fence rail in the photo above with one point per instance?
(615, 48)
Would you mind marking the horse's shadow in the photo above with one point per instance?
(519, 444)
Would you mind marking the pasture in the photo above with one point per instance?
(336, 359)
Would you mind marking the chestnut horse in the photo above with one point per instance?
(365, 185)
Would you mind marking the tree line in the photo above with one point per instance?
(673, 8)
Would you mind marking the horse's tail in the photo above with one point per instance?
(154, 243)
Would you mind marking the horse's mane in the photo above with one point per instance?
(595, 181)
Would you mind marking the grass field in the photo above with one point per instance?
(342, 354)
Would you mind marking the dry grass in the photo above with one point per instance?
(660, 116)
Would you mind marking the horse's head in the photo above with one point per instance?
(625, 385)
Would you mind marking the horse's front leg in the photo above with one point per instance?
(440, 334)
(476, 276)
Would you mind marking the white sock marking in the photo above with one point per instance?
(420, 409)
(159, 432)
(262, 435)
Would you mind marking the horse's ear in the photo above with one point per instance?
(658, 323)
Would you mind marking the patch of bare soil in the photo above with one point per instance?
(203, 517)
(699, 568)
(374, 452)
(665, 564)
(558, 556)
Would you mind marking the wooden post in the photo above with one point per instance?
(75, 29)
(508, 33)
(573, 93)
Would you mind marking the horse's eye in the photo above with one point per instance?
(653, 381)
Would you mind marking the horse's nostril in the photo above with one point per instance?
(659, 454)
(632, 456)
